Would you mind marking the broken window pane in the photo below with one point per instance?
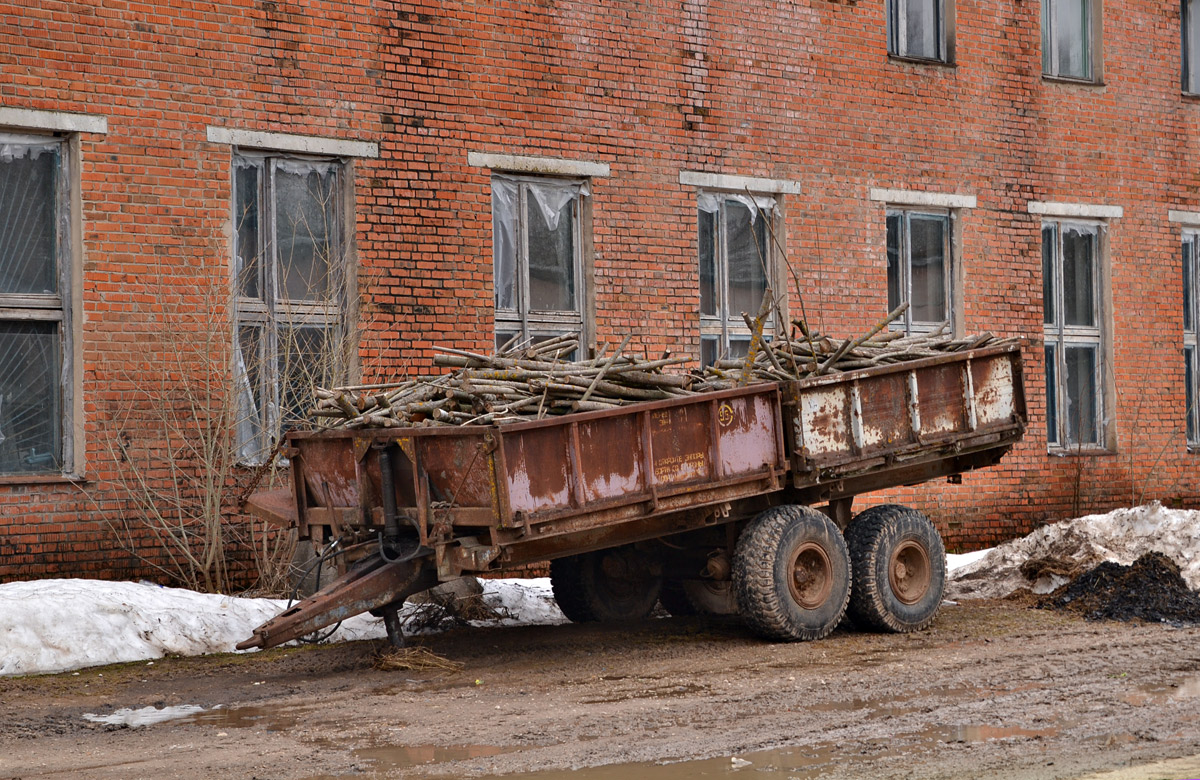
(305, 233)
(706, 236)
(29, 217)
(551, 258)
(746, 247)
(30, 398)
(927, 240)
(710, 349)
(1189, 372)
(1078, 273)
(504, 242)
(248, 252)
(922, 28)
(251, 356)
(739, 347)
(306, 360)
(1082, 422)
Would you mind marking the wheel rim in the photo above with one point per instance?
(811, 579)
(909, 572)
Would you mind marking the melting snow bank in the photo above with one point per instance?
(59, 625)
(1052, 555)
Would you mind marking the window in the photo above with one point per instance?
(734, 241)
(1071, 294)
(537, 256)
(1190, 16)
(290, 262)
(35, 332)
(919, 267)
(1068, 42)
(920, 29)
(1191, 267)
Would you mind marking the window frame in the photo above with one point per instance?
(62, 307)
(950, 284)
(1190, 265)
(536, 324)
(895, 19)
(1093, 43)
(273, 311)
(1059, 336)
(725, 323)
(1189, 59)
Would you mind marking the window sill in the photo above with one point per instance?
(42, 479)
(1190, 97)
(1072, 80)
(900, 58)
(1082, 452)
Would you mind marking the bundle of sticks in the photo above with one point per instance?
(535, 381)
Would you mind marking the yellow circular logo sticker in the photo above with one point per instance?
(725, 414)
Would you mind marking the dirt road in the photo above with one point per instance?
(992, 690)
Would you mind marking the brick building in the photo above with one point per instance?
(214, 198)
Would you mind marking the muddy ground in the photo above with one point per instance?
(994, 689)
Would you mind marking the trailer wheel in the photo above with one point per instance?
(567, 584)
(674, 599)
(616, 584)
(791, 574)
(899, 568)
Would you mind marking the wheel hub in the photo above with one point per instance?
(811, 579)
(909, 572)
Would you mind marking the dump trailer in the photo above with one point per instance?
(705, 503)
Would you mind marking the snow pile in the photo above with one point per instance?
(58, 625)
(1052, 555)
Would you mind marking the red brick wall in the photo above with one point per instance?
(800, 91)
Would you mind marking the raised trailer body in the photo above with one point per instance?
(476, 499)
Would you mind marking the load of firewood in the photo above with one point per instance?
(540, 380)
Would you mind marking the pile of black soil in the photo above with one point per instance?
(1150, 589)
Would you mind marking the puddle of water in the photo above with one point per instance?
(266, 718)
(146, 716)
(410, 756)
(1186, 688)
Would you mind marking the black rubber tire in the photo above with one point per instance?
(608, 585)
(777, 545)
(895, 548)
(674, 600)
(567, 586)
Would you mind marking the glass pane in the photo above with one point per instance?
(1072, 33)
(1191, 45)
(746, 246)
(706, 230)
(1078, 273)
(1051, 396)
(504, 336)
(1189, 391)
(709, 348)
(551, 259)
(29, 210)
(738, 347)
(504, 242)
(246, 210)
(1187, 260)
(306, 360)
(30, 398)
(928, 234)
(251, 407)
(1049, 241)
(1047, 57)
(1082, 422)
(921, 28)
(893, 26)
(305, 233)
(895, 280)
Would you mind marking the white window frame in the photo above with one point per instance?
(273, 311)
(906, 322)
(1190, 255)
(896, 12)
(1058, 337)
(530, 324)
(1092, 42)
(726, 326)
